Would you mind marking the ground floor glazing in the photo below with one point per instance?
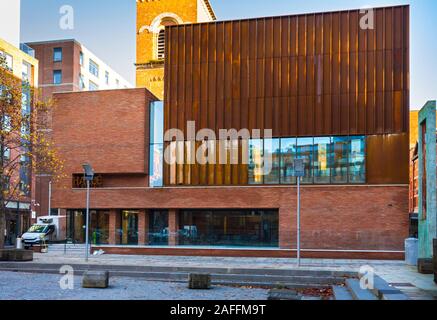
(220, 228)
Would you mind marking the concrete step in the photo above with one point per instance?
(384, 291)
(353, 285)
(341, 293)
(212, 270)
(310, 280)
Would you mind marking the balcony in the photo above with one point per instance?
(28, 50)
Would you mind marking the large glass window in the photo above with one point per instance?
(129, 227)
(357, 166)
(248, 228)
(156, 161)
(158, 228)
(272, 152)
(93, 86)
(341, 148)
(99, 227)
(322, 160)
(256, 153)
(305, 152)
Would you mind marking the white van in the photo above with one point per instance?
(46, 229)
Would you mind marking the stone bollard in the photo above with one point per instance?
(95, 279)
(435, 259)
(16, 255)
(199, 281)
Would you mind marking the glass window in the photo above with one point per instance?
(25, 71)
(288, 154)
(272, 152)
(157, 122)
(8, 60)
(322, 160)
(341, 148)
(357, 167)
(156, 143)
(305, 152)
(25, 101)
(107, 77)
(245, 228)
(57, 54)
(81, 58)
(92, 86)
(156, 165)
(99, 227)
(81, 81)
(158, 228)
(129, 227)
(57, 77)
(255, 161)
(117, 83)
(6, 153)
(94, 68)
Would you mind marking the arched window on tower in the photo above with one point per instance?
(160, 37)
(161, 45)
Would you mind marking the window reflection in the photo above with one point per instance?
(322, 160)
(340, 161)
(305, 152)
(158, 228)
(357, 168)
(288, 154)
(255, 228)
(129, 227)
(256, 161)
(156, 161)
(271, 159)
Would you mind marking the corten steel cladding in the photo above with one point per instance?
(304, 75)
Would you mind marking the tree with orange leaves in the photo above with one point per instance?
(25, 147)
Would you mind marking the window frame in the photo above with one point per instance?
(59, 51)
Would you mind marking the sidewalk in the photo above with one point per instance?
(395, 272)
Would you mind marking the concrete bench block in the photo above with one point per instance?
(16, 255)
(199, 281)
(425, 266)
(95, 279)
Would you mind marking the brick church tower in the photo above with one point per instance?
(152, 18)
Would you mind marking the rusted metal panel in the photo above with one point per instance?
(301, 75)
(387, 159)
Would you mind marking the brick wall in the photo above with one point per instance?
(333, 217)
(108, 129)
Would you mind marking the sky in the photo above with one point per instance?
(108, 28)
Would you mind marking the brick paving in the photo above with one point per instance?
(26, 286)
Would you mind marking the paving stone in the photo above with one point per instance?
(95, 279)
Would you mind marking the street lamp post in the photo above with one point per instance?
(88, 175)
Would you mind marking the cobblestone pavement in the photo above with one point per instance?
(25, 286)
(391, 271)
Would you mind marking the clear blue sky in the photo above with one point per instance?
(107, 27)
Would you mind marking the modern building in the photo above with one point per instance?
(68, 66)
(316, 87)
(18, 218)
(152, 18)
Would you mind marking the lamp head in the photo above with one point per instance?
(88, 172)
